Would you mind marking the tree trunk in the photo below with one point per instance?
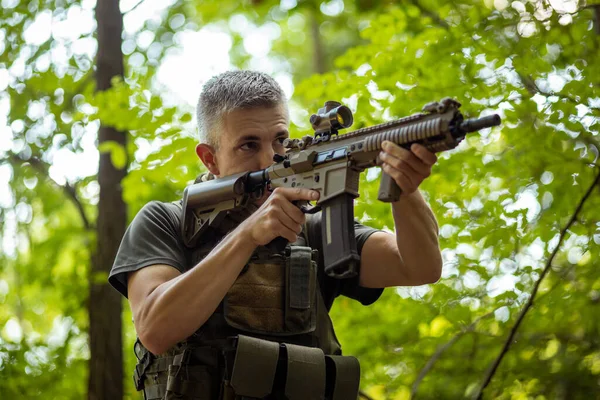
(106, 358)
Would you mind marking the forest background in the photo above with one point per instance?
(91, 130)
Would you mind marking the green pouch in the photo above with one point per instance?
(275, 295)
(301, 283)
(305, 365)
(254, 367)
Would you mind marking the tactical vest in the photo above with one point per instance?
(270, 338)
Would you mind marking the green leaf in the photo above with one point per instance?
(118, 155)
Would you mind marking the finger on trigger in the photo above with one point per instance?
(300, 194)
(312, 195)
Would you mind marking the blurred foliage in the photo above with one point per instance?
(502, 198)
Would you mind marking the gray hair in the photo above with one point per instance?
(233, 90)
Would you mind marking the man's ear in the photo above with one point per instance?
(208, 155)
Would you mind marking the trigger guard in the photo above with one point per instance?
(310, 210)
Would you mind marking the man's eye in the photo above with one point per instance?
(280, 140)
(249, 146)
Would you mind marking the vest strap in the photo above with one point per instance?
(299, 285)
(344, 373)
(149, 364)
(159, 365)
(140, 370)
(254, 366)
(305, 373)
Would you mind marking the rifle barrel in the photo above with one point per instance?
(475, 124)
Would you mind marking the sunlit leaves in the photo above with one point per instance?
(501, 198)
(118, 157)
(52, 114)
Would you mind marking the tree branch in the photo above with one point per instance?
(440, 350)
(534, 89)
(69, 190)
(596, 8)
(435, 17)
(529, 304)
(136, 5)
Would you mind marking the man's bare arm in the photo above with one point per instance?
(169, 306)
(412, 256)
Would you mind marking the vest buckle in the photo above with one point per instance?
(183, 358)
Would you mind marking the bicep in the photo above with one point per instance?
(141, 284)
(381, 264)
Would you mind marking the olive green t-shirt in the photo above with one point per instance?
(154, 237)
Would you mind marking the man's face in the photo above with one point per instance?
(249, 138)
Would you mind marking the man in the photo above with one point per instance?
(184, 299)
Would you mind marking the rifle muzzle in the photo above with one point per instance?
(475, 124)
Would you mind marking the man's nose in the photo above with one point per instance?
(266, 158)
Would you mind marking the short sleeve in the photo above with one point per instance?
(330, 287)
(151, 238)
(351, 287)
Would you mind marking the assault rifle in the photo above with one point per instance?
(330, 164)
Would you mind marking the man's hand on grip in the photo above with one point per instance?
(407, 167)
(278, 216)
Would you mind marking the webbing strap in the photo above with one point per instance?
(159, 365)
(254, 366)
(305, 373)
(345, 371)
(299, 285)
(140, 370)
(143, 369)
(154, 392)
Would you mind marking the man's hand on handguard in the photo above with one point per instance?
(411, 256)
(407, 168)
(278, 216)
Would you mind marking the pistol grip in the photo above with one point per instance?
(339, 243)
(389, 191)
(277, 245)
